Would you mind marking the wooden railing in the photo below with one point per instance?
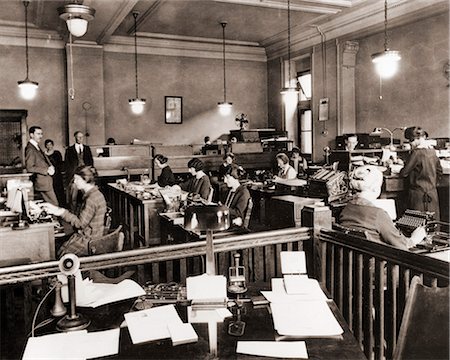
(370, 282)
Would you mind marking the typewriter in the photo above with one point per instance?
(329, 184)
(412, 219)
(436, 240)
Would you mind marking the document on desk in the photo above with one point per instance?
(89, 294)
(151, 324)
(293, 262)
(73, 345)
(182, 334)
(312, 318)
(279, 349)
(311, 291)
(206, 287)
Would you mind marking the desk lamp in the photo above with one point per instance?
(69, 265)
(207, 218)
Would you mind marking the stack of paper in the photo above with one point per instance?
(73, 345)
(311, 318)
(309, 289)
(293, 262)
(159, 323)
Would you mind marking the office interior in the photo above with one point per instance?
(183, 58)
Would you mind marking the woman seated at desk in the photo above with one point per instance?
(286, 171)
(199, 182)
(166, 178)
(228, 162)
(90, 223)
(361, 213)
(238, 196)
(298, 162)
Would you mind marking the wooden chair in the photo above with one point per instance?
(350, 231)
(424, 331)
(108, 243)
(248, 214)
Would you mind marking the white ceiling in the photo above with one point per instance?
(257, 22)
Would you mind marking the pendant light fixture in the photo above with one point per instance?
(137, 104)
(76, 16)
(224, 106)
(27, 87)
(386, 62)
(289, 91)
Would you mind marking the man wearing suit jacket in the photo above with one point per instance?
(40, 166)
(76, 155)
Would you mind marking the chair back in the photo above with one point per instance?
(248, 213)
(211, 194)
(350, 231)
(108, 220)
(109, 243)
(424, 331)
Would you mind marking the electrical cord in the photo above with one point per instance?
(38, 308)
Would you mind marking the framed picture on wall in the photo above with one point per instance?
(174, 109)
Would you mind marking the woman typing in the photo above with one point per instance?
(89, 224)
(199, 182)
(361, 213)
(286, 171)
(166, 178)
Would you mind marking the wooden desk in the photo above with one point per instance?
(259, 327)
(139, 217)
(35, 244)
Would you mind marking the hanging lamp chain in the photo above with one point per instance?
(26, 3)
(289, 42)
(224, 24)
(135, 15)
(385, 26)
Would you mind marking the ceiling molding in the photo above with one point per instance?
(319, 7)
(173, 47)
(369, 18)
(15, 36)
(116, 20)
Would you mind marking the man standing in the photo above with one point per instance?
(76, 155)
(40, 166)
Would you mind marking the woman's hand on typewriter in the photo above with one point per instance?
(418, 235)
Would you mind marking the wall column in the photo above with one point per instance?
(347, 121)
(86, 110)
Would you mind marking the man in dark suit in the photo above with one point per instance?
(76, 155)
(40, 166)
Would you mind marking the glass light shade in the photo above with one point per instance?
(77, 26)
(28, 89)
(137, 105)
(386, 63)
(290, 95)
(225, 108)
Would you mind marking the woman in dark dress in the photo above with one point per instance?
(238, 196)
(199, 182)
(167, 178)
(57, 161)
(423, 170)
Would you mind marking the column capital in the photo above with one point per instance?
(351, 48)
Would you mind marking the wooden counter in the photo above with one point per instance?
(34, 244)
(138, 216)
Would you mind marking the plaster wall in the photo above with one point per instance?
(47, 67)
(418, 94)
(198, 81)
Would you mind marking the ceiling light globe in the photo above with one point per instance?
(137, 105)
(386, 63)
(28, 89)
(77, 26)
(225, 108)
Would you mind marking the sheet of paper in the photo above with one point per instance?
(279, 294)
(301, 285)
(203, 316)
(91, 294)
(387, 205)
(73, 345)
(293, 262)
(182, 334)
(224, 313)
(279, 349)
(305, 319)
(151, 324)
(206, 287)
